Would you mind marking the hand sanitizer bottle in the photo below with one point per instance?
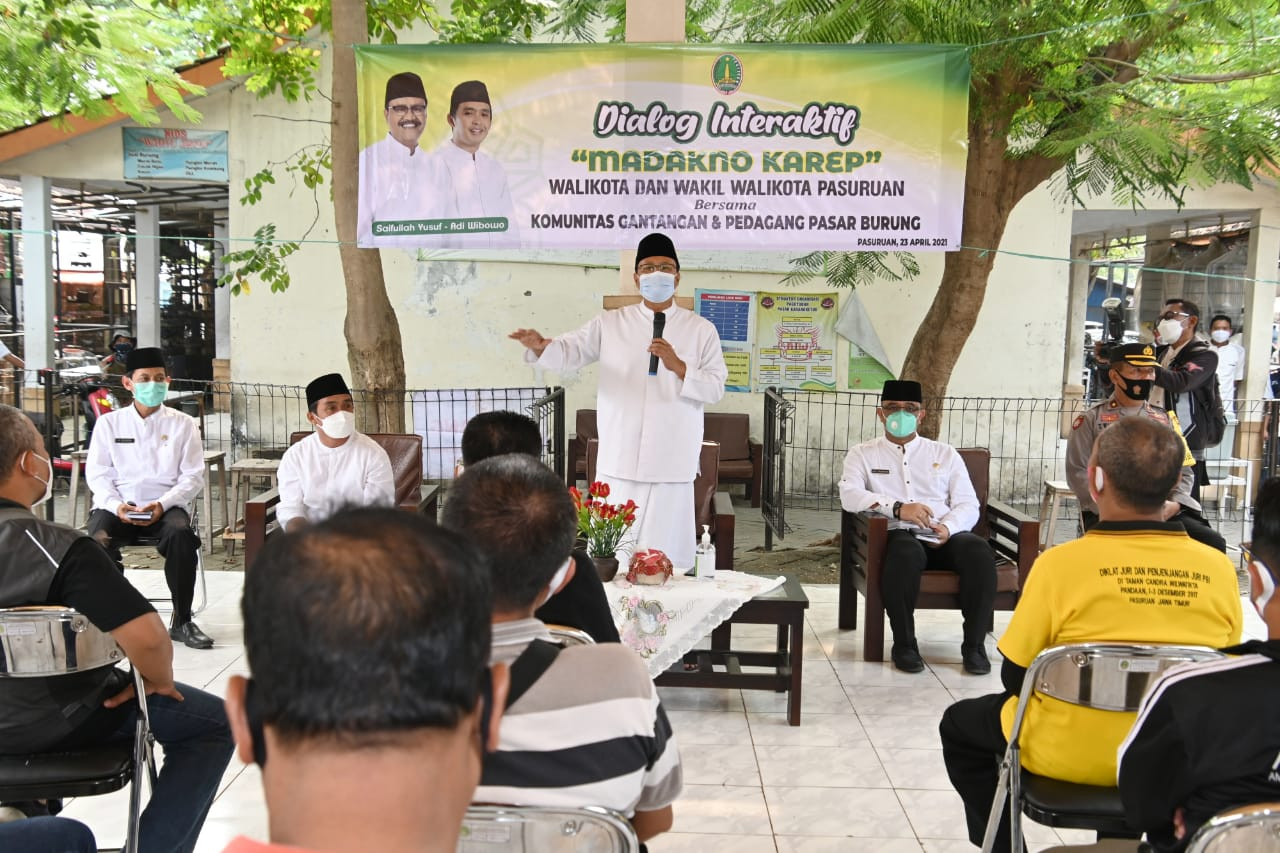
(705, 560)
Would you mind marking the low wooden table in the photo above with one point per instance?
(783, 607)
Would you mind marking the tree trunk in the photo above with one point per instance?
(374, 349)
(992, 189)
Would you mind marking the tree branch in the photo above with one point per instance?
(1193, 79)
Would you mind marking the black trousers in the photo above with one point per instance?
(972, 745)
(1202, 479)
(1193, 522)
(178, 544)
(966, 554)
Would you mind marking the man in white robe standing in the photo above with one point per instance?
(476, 184)
(335, 466)
(398, 180)
(649, 409)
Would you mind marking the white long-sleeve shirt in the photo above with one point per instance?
(316, 481)
(475, 186)
(397, 184)
(139, 460)
(879, 473)
(650, 426)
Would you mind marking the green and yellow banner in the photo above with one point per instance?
(749, 147)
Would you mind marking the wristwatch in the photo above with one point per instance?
(897, 506)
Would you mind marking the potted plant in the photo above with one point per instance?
(602, 526)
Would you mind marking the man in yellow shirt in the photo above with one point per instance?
(1132, 578)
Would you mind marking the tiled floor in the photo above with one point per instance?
(863, 772)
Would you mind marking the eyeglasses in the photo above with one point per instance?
(1173, 315)
(416, 109)
(645, 269)
(911, 408)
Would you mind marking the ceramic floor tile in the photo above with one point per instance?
(861, 812)
(953, 675)
(826, 697)
(820, 767)
(827, 592)
(709, 727)
(881, 673)
(722, 810)
(815, 730)
(821, 844)
(959, 693)
(700, 699)
(940, 814)
(901, 732)
(923, 701)
(690, 842)
(715, 764)
(915, 768)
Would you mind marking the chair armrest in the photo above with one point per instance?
(259, 523)
(428, 503)
(725, 521)
(1014, 535)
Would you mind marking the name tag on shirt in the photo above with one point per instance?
(879, 470)
(124, 441)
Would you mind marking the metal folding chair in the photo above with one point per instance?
(1104, 676)
(48, 642)
(591, 829)
(1249, 829)
(566, 636)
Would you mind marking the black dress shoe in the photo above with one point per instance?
(975, 660)
(190, 635)
(907, 657)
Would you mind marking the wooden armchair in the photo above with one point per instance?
(711, 507)
(405, 452)
(863, 536)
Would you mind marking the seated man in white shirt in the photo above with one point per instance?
(145, 466)
(924, 488)
(335, 466)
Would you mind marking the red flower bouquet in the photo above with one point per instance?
(649, 566)
(602, 525)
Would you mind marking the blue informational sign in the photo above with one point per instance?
(169, 152)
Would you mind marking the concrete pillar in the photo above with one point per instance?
(221, 298)
(146, 285)
(1260, 298)
(37, 274)
(1077, 308)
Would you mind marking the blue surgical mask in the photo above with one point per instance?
(150, 393)
(657, 287)
(901, 424)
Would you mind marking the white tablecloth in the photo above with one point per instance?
(661, 623)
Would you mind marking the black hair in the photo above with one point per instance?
(519, 516)
(15, 438)
(366, 627)
(1217, 317)
(497, 433)
(1142, 460)
(1266, 526)
(1188, 307)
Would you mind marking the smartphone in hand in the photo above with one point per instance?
(138, 516)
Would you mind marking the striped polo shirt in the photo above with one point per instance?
(589, 732)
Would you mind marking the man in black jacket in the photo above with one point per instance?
(581, 603)
(1185, 378)
(1207, 737)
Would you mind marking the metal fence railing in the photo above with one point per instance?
(808, 433)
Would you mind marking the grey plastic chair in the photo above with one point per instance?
(1103, 676)
(48, 642)
(1251, 829)
(538, 829)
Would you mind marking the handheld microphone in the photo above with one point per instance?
(659, 323)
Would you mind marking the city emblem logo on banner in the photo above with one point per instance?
(726, 74)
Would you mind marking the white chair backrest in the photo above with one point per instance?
(1107, 676)
(43, 641)
(1254, 829)
(566, 636)
(489, 829)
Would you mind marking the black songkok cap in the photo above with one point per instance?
(901, 391)
(406, 84)
(326, 386)
(144, 357)
(472, 90)
(656, 246)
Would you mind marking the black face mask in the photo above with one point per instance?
(1136, 389)
(122, 350)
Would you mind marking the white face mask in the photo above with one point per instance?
(1220, 336)
(48, 484)
(1268, 587)
(1169, 331)
(339, 425)
(657, 287)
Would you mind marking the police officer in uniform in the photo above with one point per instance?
(1132, 374)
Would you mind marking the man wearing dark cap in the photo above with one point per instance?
(650, 420)
(477, 184)
(145, 467)
(923, 487)
(398, 180)
(335, 466)
(1132, 372)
